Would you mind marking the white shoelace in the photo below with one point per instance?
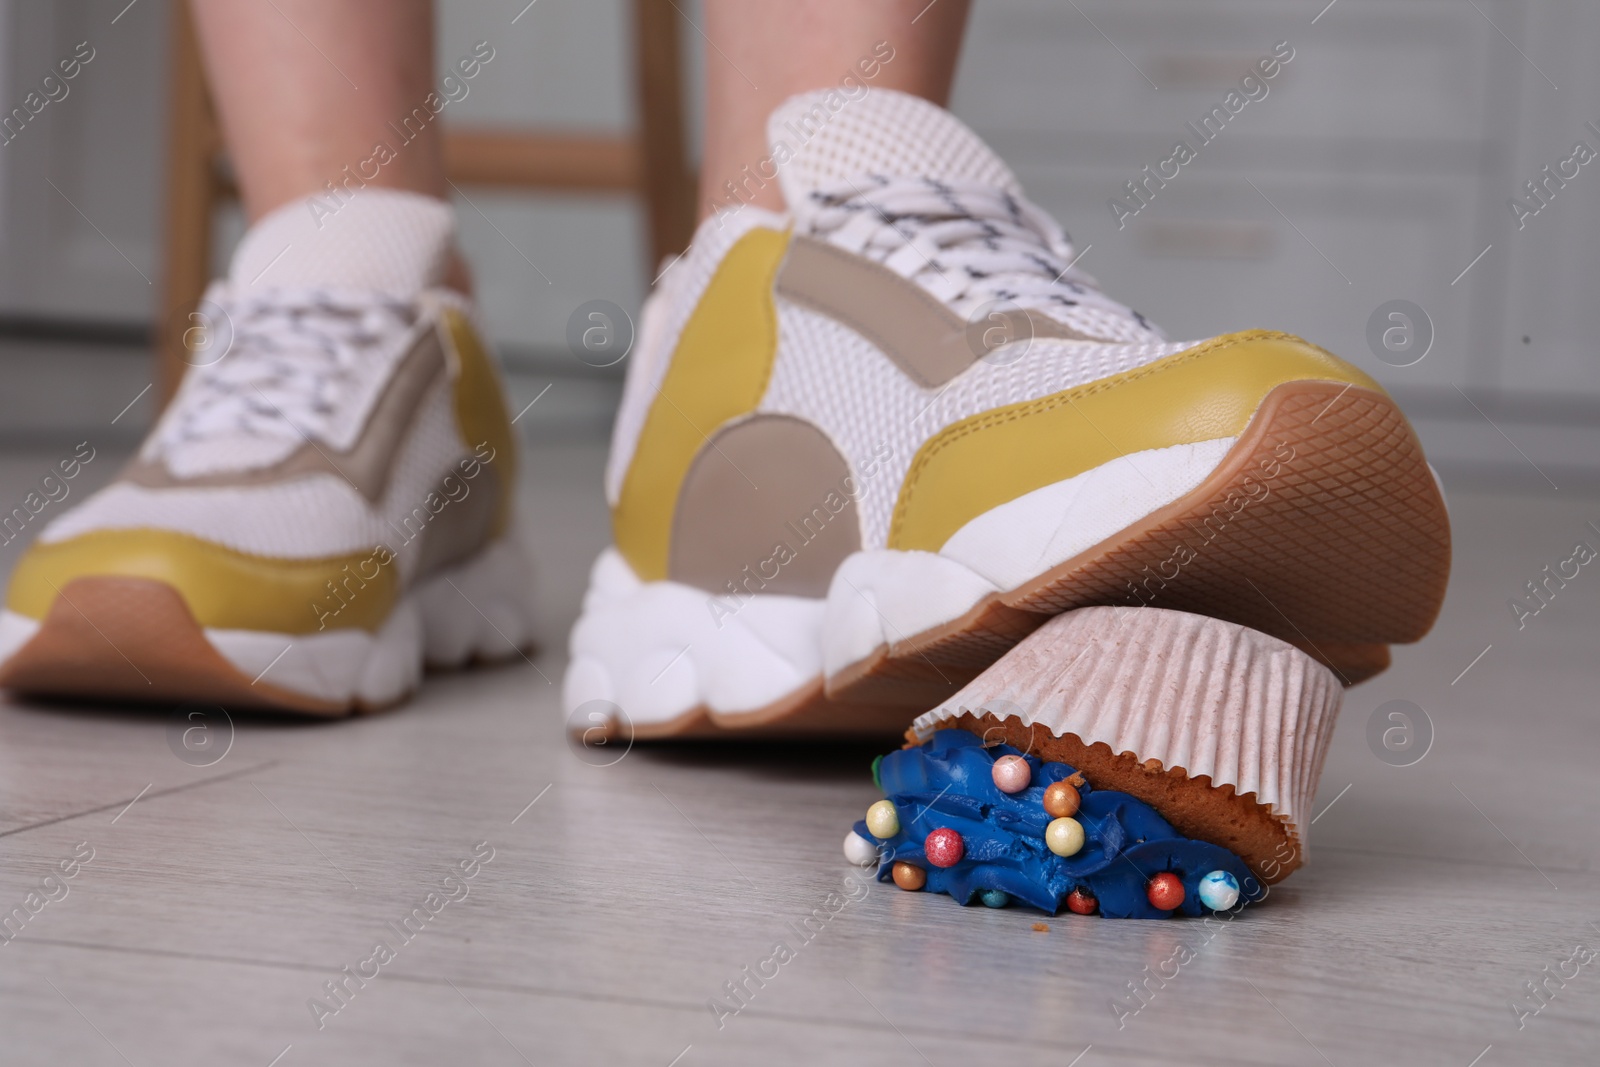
(293, 363)
(970, 244)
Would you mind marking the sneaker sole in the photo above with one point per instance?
(135, 639)
(1348, 552)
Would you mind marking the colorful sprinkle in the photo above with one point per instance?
(1165, 891)
(1061, 800)
(1081, 902)
(883, 822)
(960, 834)
(1041, 928)
(1064, 836)
(876, 781)
(1011, 774)
(994, 898)
(1219, 891)
(944, 847)
(858, 850)
(909, 876)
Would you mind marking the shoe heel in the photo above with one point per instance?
(1221, 728)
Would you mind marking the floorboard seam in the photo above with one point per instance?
(148, 795)
(555, 994)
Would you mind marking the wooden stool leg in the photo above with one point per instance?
(665, 181)
(192, 141)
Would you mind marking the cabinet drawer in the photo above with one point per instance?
(1211, 255)
(1366, 70)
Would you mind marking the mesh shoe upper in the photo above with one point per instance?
(901, 185)
(318, 421)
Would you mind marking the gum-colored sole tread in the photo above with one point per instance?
(134, 639)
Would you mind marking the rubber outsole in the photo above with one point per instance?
(135, 639)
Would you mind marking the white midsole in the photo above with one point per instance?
(480, 608)
(884, 596)
(15, 631)
(659, 649)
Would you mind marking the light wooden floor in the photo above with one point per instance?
(615, 907)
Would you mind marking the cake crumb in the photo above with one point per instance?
(1043, 928)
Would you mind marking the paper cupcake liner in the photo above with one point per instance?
(1195, 694)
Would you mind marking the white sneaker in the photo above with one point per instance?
(324, 506)
(836, 500)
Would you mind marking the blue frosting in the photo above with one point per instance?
(947, 782)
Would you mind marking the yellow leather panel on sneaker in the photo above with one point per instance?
(1199, 394)
(223, 588)
(718, 372)
(480, 409)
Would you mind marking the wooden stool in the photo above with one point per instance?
(651, 162)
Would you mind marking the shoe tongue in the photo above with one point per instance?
(827, 138)
(381, 240)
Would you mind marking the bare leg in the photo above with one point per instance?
(797, 45)
(307, 87)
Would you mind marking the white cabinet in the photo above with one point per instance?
(1389, 144)
(80, 181)
(1552, 263)
(1364, 174)
(1216, 256)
